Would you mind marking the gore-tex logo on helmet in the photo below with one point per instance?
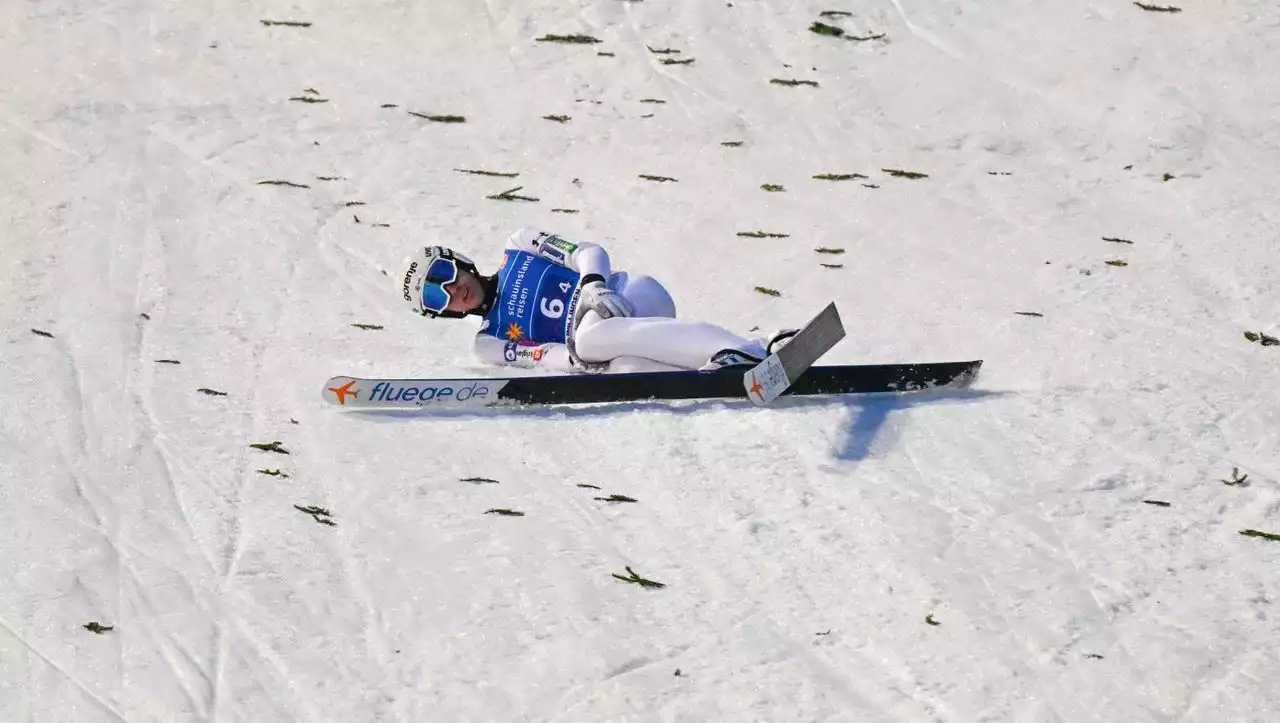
(408, 277)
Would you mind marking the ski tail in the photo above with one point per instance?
(772, 377)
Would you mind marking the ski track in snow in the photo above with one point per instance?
(803, 546)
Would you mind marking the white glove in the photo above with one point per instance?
(606, 302)
(581, 365)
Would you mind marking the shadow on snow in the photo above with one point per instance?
(869, 413)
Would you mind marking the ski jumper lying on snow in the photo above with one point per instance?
(559, 305)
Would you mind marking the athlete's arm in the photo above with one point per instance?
(499, 352)
(588, 259)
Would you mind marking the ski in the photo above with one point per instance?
(771, 377)
(358, 393)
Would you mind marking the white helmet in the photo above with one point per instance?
(426, 274)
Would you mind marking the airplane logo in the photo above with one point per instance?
(756, 387)
(344, 390)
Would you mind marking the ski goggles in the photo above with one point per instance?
(441, 272)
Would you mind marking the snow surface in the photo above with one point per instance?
(806, 547)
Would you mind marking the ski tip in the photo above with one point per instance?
(338, 390)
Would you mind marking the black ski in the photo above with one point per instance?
(356, 393)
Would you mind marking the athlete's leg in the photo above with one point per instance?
(646, 294)
(632, 364)
(652, 340)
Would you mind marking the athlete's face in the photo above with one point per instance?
(466, 292)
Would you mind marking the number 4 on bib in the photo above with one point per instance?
(771, 377)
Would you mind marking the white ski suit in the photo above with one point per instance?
(541, 311)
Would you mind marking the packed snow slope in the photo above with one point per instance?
(1056, 543)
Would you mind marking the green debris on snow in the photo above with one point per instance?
(633, 578)
(824, 29)
(1261, 338)
(1237, 479)
(791, 83)
(277, 182)
(575, 39)
(439, 118)
(486, 173)
(319, 514)
(510, 195)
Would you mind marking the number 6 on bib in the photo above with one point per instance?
(553, 310)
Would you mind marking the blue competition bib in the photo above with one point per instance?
(536, 300)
